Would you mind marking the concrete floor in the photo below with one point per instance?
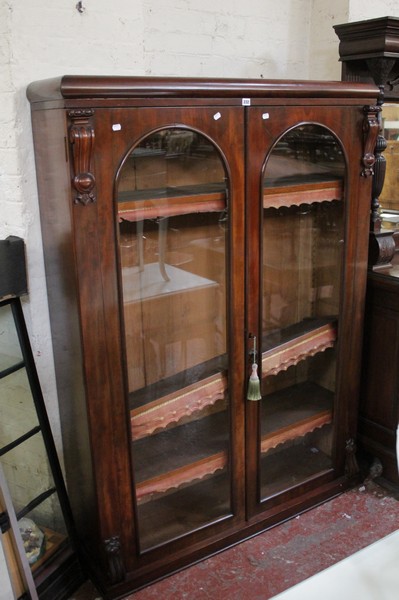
(278, 559)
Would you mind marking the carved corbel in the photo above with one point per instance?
(116, 569)
(380, 68)
(81, 138)
(371, 127)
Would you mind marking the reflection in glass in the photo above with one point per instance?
(172, 213)
(303, 232)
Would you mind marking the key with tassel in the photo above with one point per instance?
(253, 392)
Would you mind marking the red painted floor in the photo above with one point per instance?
(285, 555)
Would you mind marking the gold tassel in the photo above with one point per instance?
(253, 392)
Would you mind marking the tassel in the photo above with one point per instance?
(254, 383)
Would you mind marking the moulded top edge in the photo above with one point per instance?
(80, 87)
(380, 24)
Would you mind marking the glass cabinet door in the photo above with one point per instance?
(301, 261)
(172, 207)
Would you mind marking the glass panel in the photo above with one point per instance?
(17, 411)
(303, 214)
(23, 456)
(172, 211)
(29, 478)
(43, 532)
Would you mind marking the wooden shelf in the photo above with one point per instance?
(286, 348)
(197, 450)
(171, 408)
(171, 516)
(288, 415)
(172, 459)
(178, 478)
(291, 182)
(296, 343)
(294, 412)
(305, 193)
(171, 201)
(291, 466)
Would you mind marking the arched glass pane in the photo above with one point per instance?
(303, 238)
(173, 219)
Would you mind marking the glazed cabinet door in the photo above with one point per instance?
(178, 201)
(302, 202)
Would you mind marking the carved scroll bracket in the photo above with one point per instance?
(81, 137)
(380, 68)
(116, 569)
(371, 128)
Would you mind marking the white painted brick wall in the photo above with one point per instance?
(231, 38)
(361, 9)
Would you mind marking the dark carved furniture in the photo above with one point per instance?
(206, 255)
(379, 407)
(369, 51)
